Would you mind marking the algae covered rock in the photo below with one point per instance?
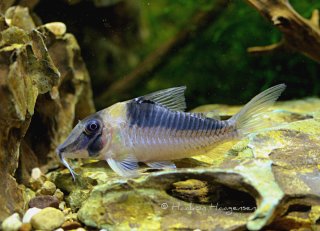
(47, 219)
(268, 179)
(44, 87)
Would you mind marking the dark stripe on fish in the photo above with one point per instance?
(147, 114)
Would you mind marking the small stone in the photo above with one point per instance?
(44, 202)
(68, 225)
(12, 223)
(29, 214)
(72, 217)
(57, 28)
(48, 188)
(80, 229)
(62, 205)
(47, 219)
(67, 212)
(37, 179)
(25, 227)
(36, 173)
(59, 195)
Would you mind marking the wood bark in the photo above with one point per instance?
(299, 34)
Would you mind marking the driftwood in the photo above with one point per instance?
(162, 55)
(299, 34)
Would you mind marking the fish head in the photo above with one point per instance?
(91, 137)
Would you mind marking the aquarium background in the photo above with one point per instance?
(116, 36)
(135, 47)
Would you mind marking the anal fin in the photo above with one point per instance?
(161, 165)
(126, 168)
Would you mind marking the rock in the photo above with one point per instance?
(37, 179)
(149, 197)
(72, 216)
(29, 214)
(47, 219)
(62, 205)
(90, 174)
(38, 112)
(68, 225)
(44, 201)
(36, 173)
(12, 223)
(57, 28)
(25, 227)
(28, 194)
(80, 229)
(20, 17)
(48, 188)
(192, 190)
(59, 194)
(76, 198)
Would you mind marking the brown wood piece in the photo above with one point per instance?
(299, 34)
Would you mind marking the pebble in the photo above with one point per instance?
(44, 202)
(62, 205)
(67, 211)
(12, 223)
(59, 195)
(68, 225)
(25, 227)
(72, 217)
(48, 188)
(48, 219)
(29, 214)
(57, 28)
(36, 173)
(80, 229)
(37, 179)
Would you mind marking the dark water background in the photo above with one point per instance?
(215, 66)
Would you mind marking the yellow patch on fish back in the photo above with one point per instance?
(118, 110)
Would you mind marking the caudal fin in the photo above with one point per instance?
(248, 119)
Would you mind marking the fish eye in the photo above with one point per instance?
(92, 126)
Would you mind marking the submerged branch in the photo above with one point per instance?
(162, 55)
(266, 49)
(299, 34)
(315, 17)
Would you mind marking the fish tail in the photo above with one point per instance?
(249, 119)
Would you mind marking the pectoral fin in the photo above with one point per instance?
(161, 165)
(127, 167)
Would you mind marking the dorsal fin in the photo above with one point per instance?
(172, 98)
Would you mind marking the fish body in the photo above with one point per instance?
(154, 129)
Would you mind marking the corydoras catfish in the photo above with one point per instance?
(154, 129)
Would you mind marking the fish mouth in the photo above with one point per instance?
(65, 163)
